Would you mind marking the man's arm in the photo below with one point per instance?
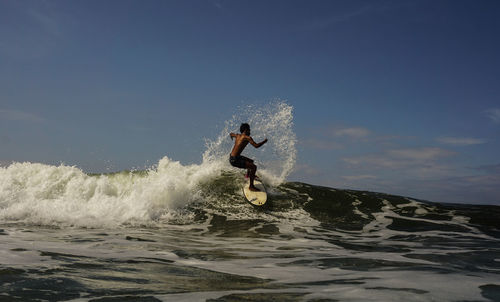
(232, 135)
(256, 145)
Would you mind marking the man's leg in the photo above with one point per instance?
(248, 169)
(252, 168)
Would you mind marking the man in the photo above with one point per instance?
(243, 162)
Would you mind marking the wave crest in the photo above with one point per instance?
(64, 195)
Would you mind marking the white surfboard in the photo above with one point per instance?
(255, 198)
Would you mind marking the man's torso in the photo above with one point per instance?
(240, 144)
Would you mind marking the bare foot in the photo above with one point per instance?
(253, 189)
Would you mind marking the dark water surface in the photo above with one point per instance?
(311, 244)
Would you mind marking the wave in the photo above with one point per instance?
(176, 194)
(364, 211)
(64, 195)
(172, 193)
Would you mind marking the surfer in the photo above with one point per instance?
(242, 162)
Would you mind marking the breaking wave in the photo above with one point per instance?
(52, 195)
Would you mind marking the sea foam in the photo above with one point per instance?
(43, 194)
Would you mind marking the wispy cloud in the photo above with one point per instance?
(33, 30)
(460, 141)
(482, 189)
(15, 115)
(321, 144)
(47, 22)
(493, 114)
(371, 161)
(139, 128)
(305, 169)
(362, 134)
(346, 16)
(488, 181)
(419, 154)
(418, 161)
(492, 169)
(353, 132)
(322, 23)
(217, 3)
(358, 177)
(336, 138)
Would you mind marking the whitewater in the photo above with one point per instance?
(177, 232)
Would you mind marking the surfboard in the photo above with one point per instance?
(255, 198)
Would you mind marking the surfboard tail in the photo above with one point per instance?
(256, 198)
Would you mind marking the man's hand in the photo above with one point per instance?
(261, 143)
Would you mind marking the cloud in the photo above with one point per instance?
(217, 4)
(362, 134)
(419, 154)
(48, 23)
(346, 16)
(489, 181)
(460, 141)
(322, 23)
(330, 140)
(358, 177)
(318, 144)
(353, 132)
(31, 30)
(421, 162)
(306, 169)
(15, 115)
(493, 114)
(139, 128)
(375, 160)
(472, 189)
(491, 169)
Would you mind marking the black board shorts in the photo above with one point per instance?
(238, 161)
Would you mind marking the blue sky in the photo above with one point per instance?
(398, 96)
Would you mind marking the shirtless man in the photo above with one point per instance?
(243, 162)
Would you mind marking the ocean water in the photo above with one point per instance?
(184, 233)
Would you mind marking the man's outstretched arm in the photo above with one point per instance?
(257, 145)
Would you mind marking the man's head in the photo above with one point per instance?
(244, 128)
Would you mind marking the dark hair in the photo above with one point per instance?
(244, 127)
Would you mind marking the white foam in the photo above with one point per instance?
(44, 194)
(53, 195)
(276, 159)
